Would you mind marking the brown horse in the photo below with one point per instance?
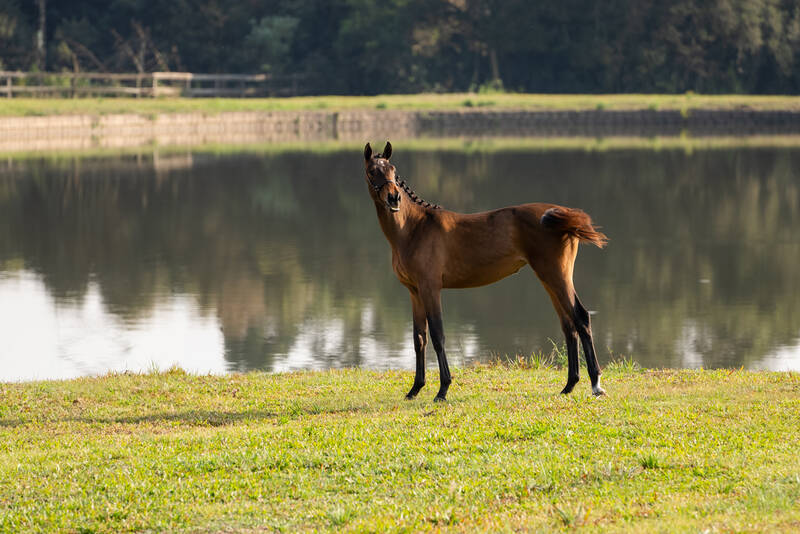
(434, 249)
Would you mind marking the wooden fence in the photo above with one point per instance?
(149, 84)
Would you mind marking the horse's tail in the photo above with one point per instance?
(574, 222)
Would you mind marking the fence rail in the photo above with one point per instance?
(150, 84)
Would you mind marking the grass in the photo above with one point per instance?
(430, 101)
(666, 451)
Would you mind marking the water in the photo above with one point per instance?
(222, 263)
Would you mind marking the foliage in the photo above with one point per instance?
(391, 46)
(269, 41)
(682, 451)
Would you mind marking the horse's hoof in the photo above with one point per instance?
(570, 385)
(439, 398)
(413, 391)
(597, 391)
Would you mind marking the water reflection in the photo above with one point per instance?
(276, 262)
(44, 338)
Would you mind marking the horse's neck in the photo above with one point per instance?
(398, 227)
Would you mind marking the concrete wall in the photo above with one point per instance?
(187, 129)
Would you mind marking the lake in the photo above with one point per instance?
(275, 261)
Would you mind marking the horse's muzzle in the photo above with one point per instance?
(393, 201)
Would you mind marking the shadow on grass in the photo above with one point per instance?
(201, 418)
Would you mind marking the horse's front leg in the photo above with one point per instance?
(433, 311)
(420, 341)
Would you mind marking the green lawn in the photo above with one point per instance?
(149, 106)
(666, 451)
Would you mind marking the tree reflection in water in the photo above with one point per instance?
(282, 252)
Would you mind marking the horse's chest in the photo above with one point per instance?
(401, 270)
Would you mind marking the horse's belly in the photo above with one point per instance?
(482, 275)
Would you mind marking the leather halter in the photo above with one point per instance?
(378, 188)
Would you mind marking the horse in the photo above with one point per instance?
(435, 249)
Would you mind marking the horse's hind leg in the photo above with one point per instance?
(576, 324)
(556, 276)
(585, 332)
(571, 336)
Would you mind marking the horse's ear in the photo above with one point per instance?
(387, 150)
(367, 152)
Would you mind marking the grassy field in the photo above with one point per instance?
(60, 106)
(666, 451)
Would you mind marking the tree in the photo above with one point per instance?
(270, 40)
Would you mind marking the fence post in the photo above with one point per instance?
(155, 84)
(9, 93)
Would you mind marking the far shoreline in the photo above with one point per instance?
(50, 125)
(38, 107)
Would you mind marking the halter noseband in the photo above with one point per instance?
(378, 188)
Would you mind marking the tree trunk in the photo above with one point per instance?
(41, 50)
(494, 65)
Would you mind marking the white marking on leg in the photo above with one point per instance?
(598, 391)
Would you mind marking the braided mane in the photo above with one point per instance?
(413, 196)
(410, 192)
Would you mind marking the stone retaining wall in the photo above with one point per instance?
(596, 123)
(129, 130)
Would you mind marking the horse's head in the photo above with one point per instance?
(381, 177)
